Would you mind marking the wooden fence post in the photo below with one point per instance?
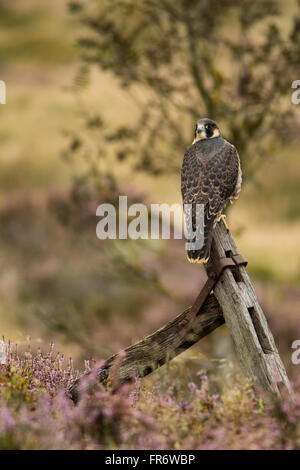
(253, 340)
(233, 300)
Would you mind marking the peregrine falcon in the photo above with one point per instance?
(211, 175)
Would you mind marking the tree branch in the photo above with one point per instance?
(194, 67)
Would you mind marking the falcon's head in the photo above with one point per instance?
(206, 129)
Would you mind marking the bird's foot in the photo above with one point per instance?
(223, 217)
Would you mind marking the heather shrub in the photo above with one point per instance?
(36, 411)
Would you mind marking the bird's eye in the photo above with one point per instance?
(207, 126)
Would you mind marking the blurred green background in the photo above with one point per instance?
(60, 137)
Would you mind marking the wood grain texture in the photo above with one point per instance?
(245, 319)
(156, 349)
(232, 300)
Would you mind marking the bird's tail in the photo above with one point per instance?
(202, 255)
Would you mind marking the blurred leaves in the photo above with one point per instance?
(61, 279)
(175, 60)
(187, 62)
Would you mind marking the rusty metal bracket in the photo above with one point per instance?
(239, 260)
(214, 275)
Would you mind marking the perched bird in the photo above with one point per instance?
(211, 175)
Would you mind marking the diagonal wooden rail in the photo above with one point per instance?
(234, 301)
(156, 349)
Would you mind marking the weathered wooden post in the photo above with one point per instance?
(227, 295)
(244, 317)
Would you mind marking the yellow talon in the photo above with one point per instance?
(223, 217)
